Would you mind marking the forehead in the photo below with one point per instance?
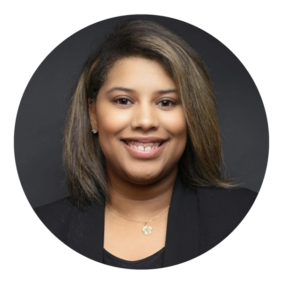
(138, 71)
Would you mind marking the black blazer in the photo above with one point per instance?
(198, 220)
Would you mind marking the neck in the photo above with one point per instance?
(140, 201)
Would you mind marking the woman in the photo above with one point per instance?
(143, 156)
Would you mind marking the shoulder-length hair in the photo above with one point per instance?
(201, 163)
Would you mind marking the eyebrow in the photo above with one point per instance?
(173, 90)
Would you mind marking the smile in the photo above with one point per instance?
(143, 146)
(144, 149)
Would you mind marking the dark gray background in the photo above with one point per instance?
(40, 119)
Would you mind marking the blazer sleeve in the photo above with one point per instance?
(56, 217)
(220, 212)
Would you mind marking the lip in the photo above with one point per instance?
(142, 153)
(144, 139)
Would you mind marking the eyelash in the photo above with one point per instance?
(126, 99)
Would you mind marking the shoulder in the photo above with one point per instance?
(221, 211)
(239, 199)
(56, 216)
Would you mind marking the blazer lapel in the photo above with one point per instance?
(86, 230)
(182, 238)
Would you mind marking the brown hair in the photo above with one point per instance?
(201, 163)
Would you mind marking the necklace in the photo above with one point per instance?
(147, 229)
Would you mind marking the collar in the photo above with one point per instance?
(86, 230)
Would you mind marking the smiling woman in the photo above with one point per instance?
(143, 155)
(140, 121)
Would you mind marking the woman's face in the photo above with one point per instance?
(140, 121)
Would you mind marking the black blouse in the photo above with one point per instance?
(153, 261)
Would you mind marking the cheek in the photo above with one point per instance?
(111, 119)
(111, 124)
(176, 125)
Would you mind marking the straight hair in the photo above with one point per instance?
(202, 161)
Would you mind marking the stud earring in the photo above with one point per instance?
(94, 131)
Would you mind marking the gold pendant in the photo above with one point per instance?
(147, 230)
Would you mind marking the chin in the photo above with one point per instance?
(142, 177)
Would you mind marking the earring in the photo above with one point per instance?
(94, 131)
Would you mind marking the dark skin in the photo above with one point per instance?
(138, 100)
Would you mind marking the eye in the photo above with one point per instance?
(166, 103)
(123, 101)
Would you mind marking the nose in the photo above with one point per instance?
(145, 117)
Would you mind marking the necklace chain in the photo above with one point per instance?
(136, 220)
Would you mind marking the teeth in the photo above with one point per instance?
(143, 146)
(147, 148)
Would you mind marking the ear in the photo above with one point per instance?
(92, 114)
